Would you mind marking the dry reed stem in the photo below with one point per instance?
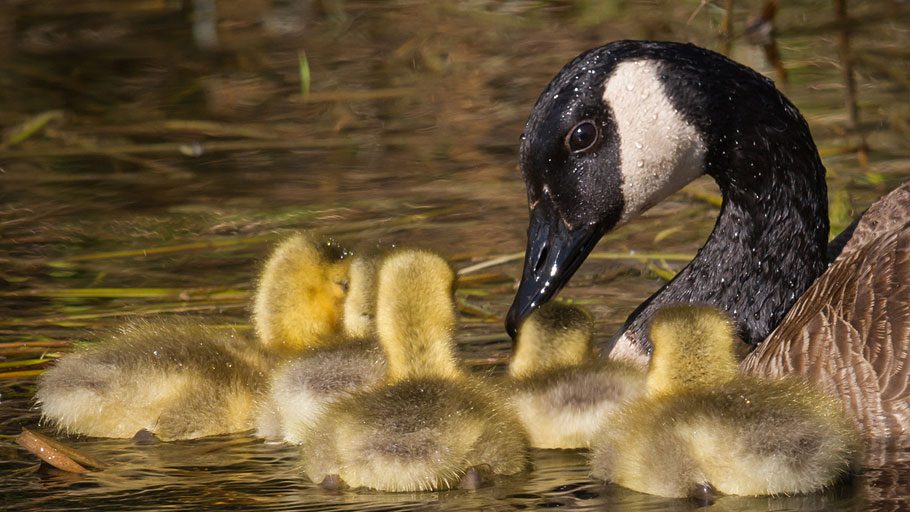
(636, 256)
(846, 65)
(57, 454)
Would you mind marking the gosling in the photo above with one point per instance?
(301, 270)
(175, 378)
(562, 390)
(703, 427)
(178, 379)
(302, 388)
(430, 424)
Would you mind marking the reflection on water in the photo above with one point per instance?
(169, 143)
(240, 473)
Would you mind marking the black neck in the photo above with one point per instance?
(769, 242)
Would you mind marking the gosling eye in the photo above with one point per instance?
(582, 136)
(344, 284)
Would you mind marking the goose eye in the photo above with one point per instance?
(582, 136)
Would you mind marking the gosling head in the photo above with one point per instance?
(301, 293)
(555, 335)
(693, 347)
(415, 315)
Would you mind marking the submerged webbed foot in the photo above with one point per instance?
(703, 494)
(471, 480)
(332, 483)
(144, 436)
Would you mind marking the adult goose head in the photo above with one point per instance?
(623, 126)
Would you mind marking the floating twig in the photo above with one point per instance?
(24, 362)
(57, 454)
(365, 95)
(662, 271)
(636, 256)
(508, 258)
(38, 344)
(185, 294)
(761, 31)
(697, 10)
(29, 127)
(204, 147)
(22, 374)
(159, 309)
(304, 65)
(478, 278)
(711, 198)
(168, 249)
(726, 28)
(266, 131)
(469, 309)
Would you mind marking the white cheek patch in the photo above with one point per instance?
(659, 151)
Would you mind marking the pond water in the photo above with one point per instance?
(172, 143)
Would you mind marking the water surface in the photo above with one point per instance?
(179, 140)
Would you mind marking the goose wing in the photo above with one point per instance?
(850, 332)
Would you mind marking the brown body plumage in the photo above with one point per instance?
(703, 426)
(850, 332)
(560, 388)
(429, 423)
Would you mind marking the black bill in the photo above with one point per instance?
(553, 255)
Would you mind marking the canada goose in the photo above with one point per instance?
(302, 387)
(172, 377)
(179, 379)
(624, 125)
(703, 426)
(562, 391)
(429, 425)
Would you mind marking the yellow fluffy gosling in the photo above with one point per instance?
(173, 377)
(703, 426)
(302, 269)
(563, 391)
(179, 379)
(430, 423)
(304, 386)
